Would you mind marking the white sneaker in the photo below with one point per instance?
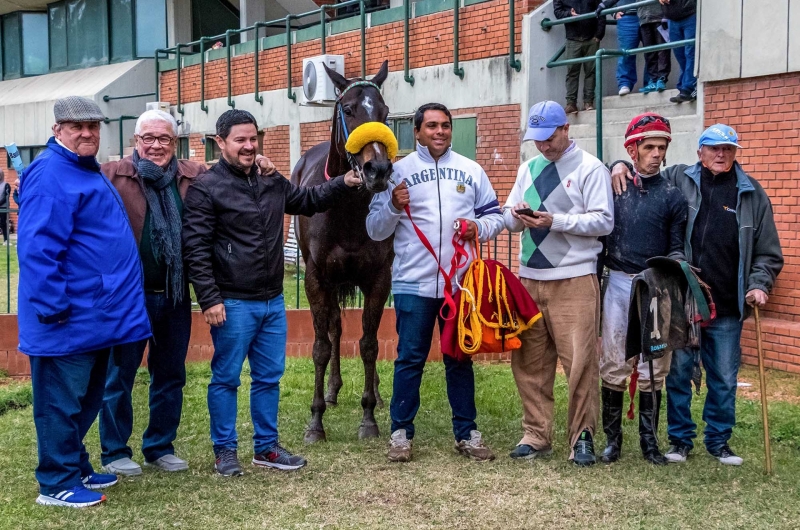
(677, 454)
(624, 91)
(169, 463)
(123, 466)
(399, 447)
(726, 456)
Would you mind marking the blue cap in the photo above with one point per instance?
(543, 120)
(719, 134)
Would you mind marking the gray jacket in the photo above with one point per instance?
(760, 256)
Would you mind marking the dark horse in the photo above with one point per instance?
(338, 253)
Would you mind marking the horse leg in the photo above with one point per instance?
(374, 300)
(335, 375)
(319, 301)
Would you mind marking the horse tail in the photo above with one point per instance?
(346, 294)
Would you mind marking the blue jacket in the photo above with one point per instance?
(80, 276)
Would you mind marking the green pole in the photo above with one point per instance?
(407, 10)
(363, 40)
(291, 94)
(598, 100)
(231, 103)
(512, 37)
(259, 99)
(322, 26)
(456, 68)
(203, 105)
(158, 88)
(178, 75)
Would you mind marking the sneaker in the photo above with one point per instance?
(661, 85)
(652, 87)
(726, 456)
(169, 463)
(474, 448)
(584, 450)
(571, 108)
(529, 452)
(227, 463)
(77, 497)
(677, 454)
(399, 447)
(589, 105)
(279, 458)
(124, 466)
(624, 90)
(684, 97)
(98, 481)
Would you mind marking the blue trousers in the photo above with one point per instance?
(628, 38)
(682, 30)
(255, 330)
(416, 316)
(67, 395)
(721, 354)
(166, 362)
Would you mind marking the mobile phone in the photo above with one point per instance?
(525, 211)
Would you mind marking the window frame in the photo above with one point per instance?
(392, 123)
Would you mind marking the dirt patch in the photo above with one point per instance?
(781, 386)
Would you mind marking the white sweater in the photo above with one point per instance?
(440, 192)
(576, 190)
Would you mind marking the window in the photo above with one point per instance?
(465, 136)
(12, 46)
(121, 12)
(213, 17)
(213, 152)
(57, 25)
(24, 45)
(26, 154)
(403, 128)
(183, 148)
(87, 32)
(151, 27)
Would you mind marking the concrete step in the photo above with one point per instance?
(636, 100)
(679, 124)
(626, 114)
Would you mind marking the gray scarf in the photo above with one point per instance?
(165, 220)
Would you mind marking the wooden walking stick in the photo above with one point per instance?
(762, 378)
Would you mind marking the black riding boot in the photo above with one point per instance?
(612, 425)
(648, 421)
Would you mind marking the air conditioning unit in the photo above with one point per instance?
(157, 105)
(318, 89)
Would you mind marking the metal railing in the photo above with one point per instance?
(603, 53)
(108, 98)
(122, 119)
(6, 212)
(286, 23)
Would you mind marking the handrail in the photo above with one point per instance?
(203, 105)
(547, 23)
(598, 57)
(178, 76)
(121, 119)
(512, 61)
(456, 68)
(406, 16)
(108, 98)
(291, 94)
(231, 103)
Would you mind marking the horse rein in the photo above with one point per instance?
(351, 159)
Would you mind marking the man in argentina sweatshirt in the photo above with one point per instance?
(569, 193)
(439, 186)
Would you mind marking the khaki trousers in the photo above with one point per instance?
(568, 330)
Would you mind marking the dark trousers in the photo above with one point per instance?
(657, 64)
(67, 395)
(575, 49)
(416, 316)
(166, 360)
(4, 225)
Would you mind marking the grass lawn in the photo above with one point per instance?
(349, 484)
(8, 264)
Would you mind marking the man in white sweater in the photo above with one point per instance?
(435, 186)
(567, 195)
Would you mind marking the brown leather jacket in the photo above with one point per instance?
(124, 177)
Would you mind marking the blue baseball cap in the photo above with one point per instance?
(719, 134)
(543, 120)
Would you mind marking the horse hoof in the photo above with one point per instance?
(379, 403)
(314, 436)
(368, 431)
(331, 403)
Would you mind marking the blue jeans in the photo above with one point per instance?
(256, 330)
(682, 30)
(166, 360)
(67, 395)
(416, 316)
(721, 354)
(628, 38)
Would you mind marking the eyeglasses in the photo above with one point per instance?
(149, 139)
(648, 119)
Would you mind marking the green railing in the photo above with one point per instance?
(605, 54)
(286, 23)
(121, 121)
(108, 98)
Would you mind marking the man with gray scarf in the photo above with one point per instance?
(152, 183)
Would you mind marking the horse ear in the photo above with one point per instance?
(339, 81)
(382, 74)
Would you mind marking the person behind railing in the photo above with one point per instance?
(657, 64)
(732, 238)
(583, 40)
(628, 37)
(80, 295)
(561, 202)
(682, 17)
(5, 193)
(152, 183)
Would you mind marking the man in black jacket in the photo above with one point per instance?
(233, 246)
(583, 40)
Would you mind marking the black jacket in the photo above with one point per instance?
(585, 29)
(233, 231)
(679, 9)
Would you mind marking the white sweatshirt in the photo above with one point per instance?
(576, 190)
(440, 192)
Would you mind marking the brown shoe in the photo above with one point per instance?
(399, 447)
(571, 108)
(589, 105)
(474, 448)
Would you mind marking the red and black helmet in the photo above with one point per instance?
(648, 125)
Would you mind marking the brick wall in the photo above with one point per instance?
(483, 33)
(765, 112)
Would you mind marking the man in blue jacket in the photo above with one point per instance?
(80, 294)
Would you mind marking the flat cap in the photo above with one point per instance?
(77, 109)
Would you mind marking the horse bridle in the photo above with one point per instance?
(354, 165)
